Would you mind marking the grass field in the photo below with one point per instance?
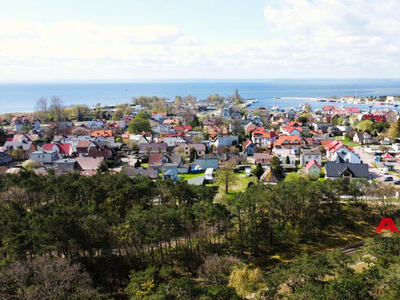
(346, 141)
(240, 185)
(190, 176)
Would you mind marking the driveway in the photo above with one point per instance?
(369, 159)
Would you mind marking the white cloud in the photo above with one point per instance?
(337, 33)
(319, 38)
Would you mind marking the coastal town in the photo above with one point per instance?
(193, 140)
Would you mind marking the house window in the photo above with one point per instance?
(347, 176)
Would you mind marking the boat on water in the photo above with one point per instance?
(321, 100)
(277, 97)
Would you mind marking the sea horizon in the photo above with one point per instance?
(21, 97)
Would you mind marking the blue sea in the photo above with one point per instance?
(18, 97)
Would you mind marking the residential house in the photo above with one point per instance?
(139, 139)
(345, 155)
(362, 138)
(204, 163)
(5, 158)
(277, 119)
(146, 148)
(65, 149)
(396, 147)
(321, 127)
(334, 146)
(313, 168)
(226, 141)
(291, 130)
(171, 175)
(18, 124)
(270, 176)
(44, 157)
(89, 163)
(345, 170)
(170, 122)
(352, 110)
(21, 138)
(27, 147)
(185, 148)
(51, 147)
(334, 131)
(289, 142)
(290, 113)
(262, 158)
(83, 147)
(102, 133)
(377, 117)
(66, 165)
(99, 151)
(163, 162)
(96, 124)
(134, 172)
(248, 147)
(308, 155)
(283, 153)
(263, 138)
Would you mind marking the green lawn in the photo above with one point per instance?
(346, 141)
(190, 176)
(240, 185)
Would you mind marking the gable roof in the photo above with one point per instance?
(334, 169)
(155, 158)
(17, 145)
(264, 133)
(353, 110)
(289, 128)
(132, 172)
(104, 133)
(288, 140)
(19, 137)
(312, 163)
(64, 148)
(153, 147)
(387, 156)
(270, 175)
(84, 144)
(311, 152)
(247, 143)
(89, 163)
(48, 147)
(334, 146)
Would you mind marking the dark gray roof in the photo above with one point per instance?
(18, 145)
(132, 172)
(311, 152)
(360, 135)
(335, 169)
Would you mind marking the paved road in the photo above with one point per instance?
(369, 159)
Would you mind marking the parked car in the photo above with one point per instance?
(388, 178)
(397, 182)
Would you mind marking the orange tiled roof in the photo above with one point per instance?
(288, 140)
(103, 133)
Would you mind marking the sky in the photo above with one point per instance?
(58, 40)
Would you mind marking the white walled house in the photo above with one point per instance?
(263, 138)
(346, 155)
(44, 157)
(310, 154)
(283, 153)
